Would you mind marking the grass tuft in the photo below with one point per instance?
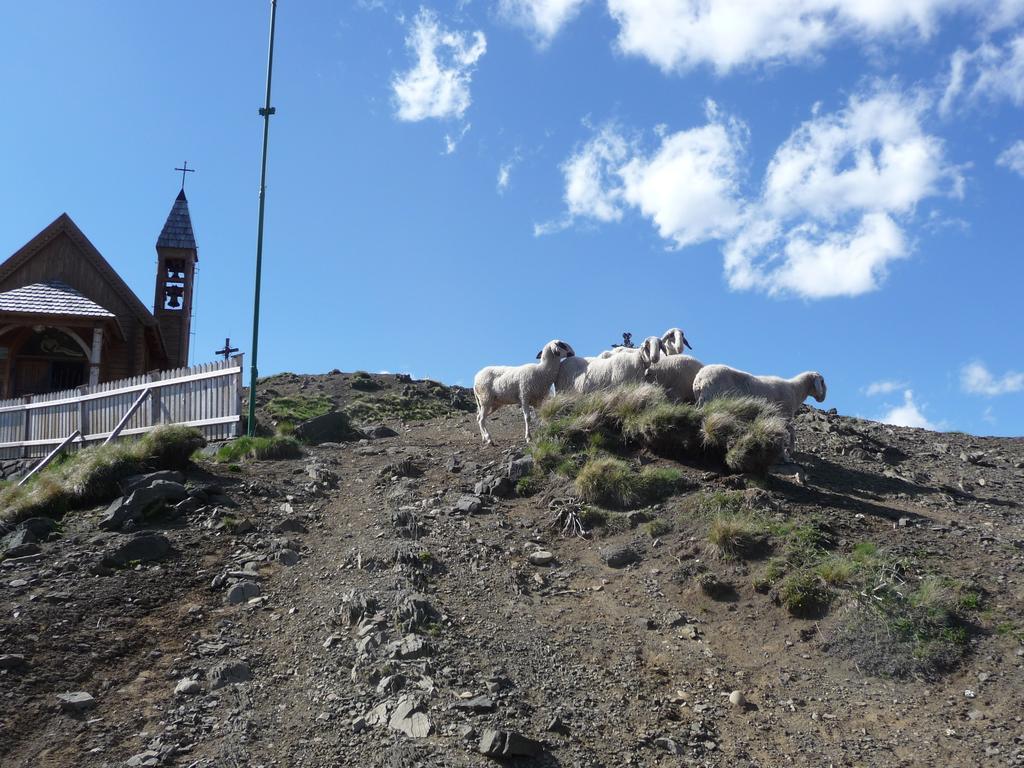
(260, 448)
(736, 537)
(298, 408)
(91, 475)
(805, 595)
(612, 483)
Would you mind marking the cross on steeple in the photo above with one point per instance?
(184, 169)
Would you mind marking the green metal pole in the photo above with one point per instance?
(266, 111)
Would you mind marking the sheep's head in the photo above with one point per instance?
(818, 388)
(651, 351)
(675, 341)
(556, 348)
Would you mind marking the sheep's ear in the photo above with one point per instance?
(686, 343)
(539, 354)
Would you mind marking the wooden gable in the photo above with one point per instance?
(62, 252)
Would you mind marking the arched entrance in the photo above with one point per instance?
(48, 360)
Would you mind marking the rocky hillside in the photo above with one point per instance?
(419, 599)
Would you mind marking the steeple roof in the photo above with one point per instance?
(177, 231)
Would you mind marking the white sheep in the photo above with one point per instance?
(526, 385)
(675, 374)
(674, 338)
(714, 381)
(587, 374)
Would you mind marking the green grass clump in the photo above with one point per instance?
(547, 453)
(736, 537)
(657, 528)
(573, 418)
(837, 571)
(361, 380)
(417, 406)
(529, 485)
(745, 434)
(298, 408)
(259, 448)
(612, 483)
(904, 631)
(665, 427)
(804, 594)
(170, 446)
(91, 475)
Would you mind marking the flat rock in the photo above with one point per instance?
(229, 672)
(77, 701)
(379, 431)
(476, 704)
(242, 592)
(519, 468)
(410, 719)
(28, 549)
(135, 482)
(188, 686)
(409, 647)
(143, 548)
(333, 427)
(289, 525)
(619, 556)
(469, 505)
(145, 501)
(287, 557)
(12, 661)
(494, 743)
(541, 557)
(40, 527)
(149, 757)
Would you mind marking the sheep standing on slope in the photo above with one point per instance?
(675, 374)
(588, 374)
(714, 381)
(527, 385)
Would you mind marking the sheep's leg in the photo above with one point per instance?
(526, 419)
(787, 453)
(482, 412)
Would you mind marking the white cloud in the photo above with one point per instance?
(544, 18)
(451, 140)
(990, 72)
(829, 219)
(883, 387)
(438, 84)
(1013, 157)
(677, 35)
(592, 187)
(831, 213)
(688, 186)
(907, 415)
(976, 379)
(504, 176)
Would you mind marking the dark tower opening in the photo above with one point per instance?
(175, 276)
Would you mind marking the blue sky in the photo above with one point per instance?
(801, 184)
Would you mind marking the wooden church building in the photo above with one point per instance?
(68, 319)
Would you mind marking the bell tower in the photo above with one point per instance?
(175, 275)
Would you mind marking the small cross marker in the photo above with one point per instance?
(228, 349)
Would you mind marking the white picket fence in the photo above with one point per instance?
(207, 396)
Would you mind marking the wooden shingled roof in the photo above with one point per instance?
(52, 297)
